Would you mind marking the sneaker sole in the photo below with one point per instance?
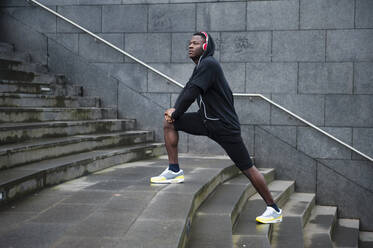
(170, 181)
(277, 220)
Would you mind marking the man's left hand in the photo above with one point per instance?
(168, 115)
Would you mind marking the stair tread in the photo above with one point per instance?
(290, 230)
(365, 239)
(55, 123)
(318, 230)
(247, 231)
(346, 233)
(49, 109)
(24, 95)
(26, 145)
(215, 214)
(10, 175)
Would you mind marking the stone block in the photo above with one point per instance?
(171, 18)
(272, 15)
(289, 163)
(149, 47)
(70, 41)
(351, 197)
(325, 78)
(349, 45)
(235, 75)
(124, 2)
(180, 72)
(132, 75)
(39, 19)
(221, 16)
(318, 145)
(326, 14)
(309, 107)
(271, 77)
(299, 45)
(287, 134)
(96, 51)
(364, 14)
(350, 111)
(245, 47)
(363, 140)
(180, 43)
(204, 145)
(124, 18)
(32, 41)
(88, 17)
(134, 105)
(252, 110)
(162, 99)
(363, 81)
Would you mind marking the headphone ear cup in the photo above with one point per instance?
(204, 46)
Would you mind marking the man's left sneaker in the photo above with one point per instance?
(168, 176)
(270, 216)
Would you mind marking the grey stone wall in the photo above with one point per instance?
(314, 57)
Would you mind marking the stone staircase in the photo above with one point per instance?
(50, 132)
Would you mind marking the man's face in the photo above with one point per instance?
(195, 47)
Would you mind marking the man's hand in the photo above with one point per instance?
(168, 114)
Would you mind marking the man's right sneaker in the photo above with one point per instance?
(270, 216)
(168, 176)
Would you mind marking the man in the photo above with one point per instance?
(216, 119)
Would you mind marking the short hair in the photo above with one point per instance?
(200, 34)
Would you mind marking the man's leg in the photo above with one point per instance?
(257, 180)
(171, 138)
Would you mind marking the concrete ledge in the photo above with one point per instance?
(24, 180)
(17, 132)
(27, 152)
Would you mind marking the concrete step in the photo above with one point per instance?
(365, 239)
(17, 65)
(247, 232)
(22, 57)
(55, 89)
(166, 221)
(346, 233)
(34, 100)
(219, 212)
(31, 151)
(10, 75)
(22, 180)
(319, 229)
(18, 132)
(10, 114)
(116, 207)
(296, 212)
(6, 47)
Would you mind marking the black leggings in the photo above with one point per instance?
(230, 140)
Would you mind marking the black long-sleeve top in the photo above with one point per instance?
(187, 96)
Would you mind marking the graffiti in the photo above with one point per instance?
(241, 44)
(161, 21)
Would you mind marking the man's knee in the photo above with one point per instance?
(168, 126)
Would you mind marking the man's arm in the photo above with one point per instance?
(185, 100)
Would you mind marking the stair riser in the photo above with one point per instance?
(65, 115)
(30, 77)
(33, 154)
(62, 130)
(67, 172)
(58, 102)
(268, 177)
(18, 66)
(45, 89)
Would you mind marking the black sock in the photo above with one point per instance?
(174, 167)
(274, 206)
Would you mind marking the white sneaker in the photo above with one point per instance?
(270, 216)
(168, 176)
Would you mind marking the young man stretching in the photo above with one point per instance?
(216, 119)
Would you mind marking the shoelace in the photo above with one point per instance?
(267, 212)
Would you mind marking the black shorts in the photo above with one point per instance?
(229, 139)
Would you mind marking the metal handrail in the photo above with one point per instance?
(182, 86)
